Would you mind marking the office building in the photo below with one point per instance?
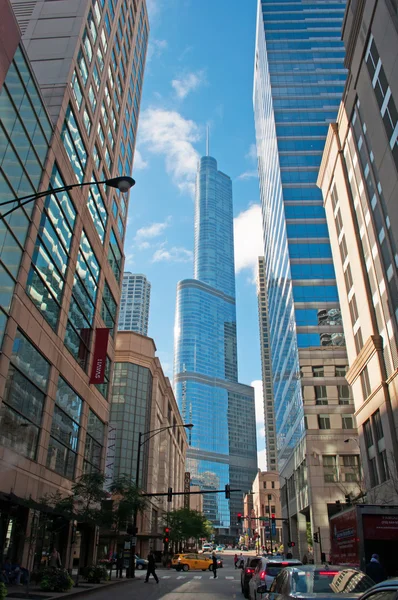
(264, 501)
(142, 400)
(298, 81)
(266, 367)
(222, 445)
(134, 303)
(359, 181)
(68, 108)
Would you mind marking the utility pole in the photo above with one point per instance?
(269, 520)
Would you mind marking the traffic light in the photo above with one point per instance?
(291, 544)
(316, 537)
(227, 491)
(348, 498)
(166, 535)
(239, 518)
(273, 522)
(169, 494)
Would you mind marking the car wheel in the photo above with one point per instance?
(210, 567)
(185, 567)
(139, 567)
(246, 592)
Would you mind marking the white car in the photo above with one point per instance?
(266, 571)
(207, 548)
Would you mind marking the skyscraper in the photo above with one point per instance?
(223, 441)
(68, 114)
(266, 369)
(134, 303)
(298, 82)
(359, 180)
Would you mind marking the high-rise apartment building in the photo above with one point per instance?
(68, 110)
(222, 445)
(134, 303)
(298, 82)
(266, 368)
(359, 181)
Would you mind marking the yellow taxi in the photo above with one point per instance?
(186, 562)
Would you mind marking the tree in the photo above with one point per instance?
(127, 500)
(185, 523)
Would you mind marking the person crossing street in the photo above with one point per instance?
(214, 565)
(151, 569)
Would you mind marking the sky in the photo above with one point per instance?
(199, 73)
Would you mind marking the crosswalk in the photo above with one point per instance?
(197, 577)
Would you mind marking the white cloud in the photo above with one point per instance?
(188, 83)
(252, 154)
(248, 175)
(139, 162)
(153, 7)
(128, 260)
(248, 239)
(174, 254)
(167, 133)
(156, 48)
(149, 232)
(262, 459)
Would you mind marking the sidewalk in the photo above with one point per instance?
(34, 592)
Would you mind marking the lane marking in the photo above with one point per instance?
(181, 577)
(198, 577)
(229, 577)
(166, 577)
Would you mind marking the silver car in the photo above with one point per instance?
(266, 570)
(316, 582)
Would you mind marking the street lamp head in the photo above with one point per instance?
(347, 440)
(188, 426)
(123, 184)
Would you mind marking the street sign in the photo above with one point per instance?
(133, 541)
(264, 519)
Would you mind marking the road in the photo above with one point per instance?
(193, 585)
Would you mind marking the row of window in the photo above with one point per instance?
(377, 459)
(347, 422)
(22, 409)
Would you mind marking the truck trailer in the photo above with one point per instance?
(358, 531)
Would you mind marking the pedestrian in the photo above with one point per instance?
(375, 570)
(241, 561)
(151, 569)
(214, 557)
(236, 561)
(55, 559)
(119, 565)
(289, 555)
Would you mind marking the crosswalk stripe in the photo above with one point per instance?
(226, 577)
(181, 577)
(166, 577)
(198, 577)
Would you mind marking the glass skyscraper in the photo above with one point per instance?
(298, 84)
(223, 441)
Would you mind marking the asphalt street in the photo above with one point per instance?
(192, 585)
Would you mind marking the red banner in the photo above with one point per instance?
(99, 360)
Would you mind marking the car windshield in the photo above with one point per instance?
(326, 581)
(273, 568)
(253, 562)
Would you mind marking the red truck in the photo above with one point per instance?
(361, 530)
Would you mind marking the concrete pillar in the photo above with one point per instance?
(302, 535)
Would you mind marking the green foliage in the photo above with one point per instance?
(95, 573)
(3, 591)
(185, 523)
(309, 534)
(56, 580)
(127, 500)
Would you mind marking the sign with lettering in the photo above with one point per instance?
(110, 455)
(187, 485)
(99, 359)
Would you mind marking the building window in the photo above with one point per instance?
(74, 145)
(378, 426)
(64, 435)
(77, 92)
(348, 278)
(350, 470)
(82, 67)
(367, 434)
(273, 485)
(343, 249)
(358, 340)
(341, 371)
(23, 402)
(384, 470)
(82, 305)
(320, 394)
(323, 421)
(329, 468)
(373, 475)
(344, 394)
(365, 383)
(265, 485)
(94, 443)
(318, 372)
(97, 210)
(347, 422)
(353, 309)
(108, 309)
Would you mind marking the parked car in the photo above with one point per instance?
(191, 562)
(220, 549)
(207, 548)
(247, 573)
(266, 570)
(382, 591)
(309, 582)
(140, 563)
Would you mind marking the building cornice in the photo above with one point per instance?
(372, 345)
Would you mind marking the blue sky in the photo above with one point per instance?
(199, 72)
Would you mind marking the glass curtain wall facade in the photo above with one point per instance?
(223, 442)
(299, 80)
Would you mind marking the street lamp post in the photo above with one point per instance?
(123, 184)
(141, 442)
